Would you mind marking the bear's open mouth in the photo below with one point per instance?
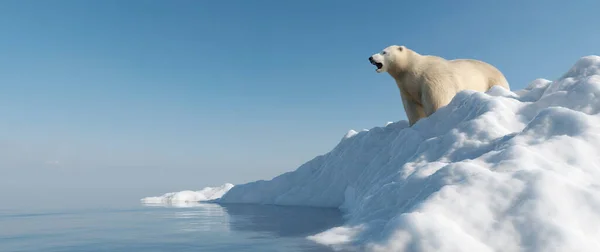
(377, 64)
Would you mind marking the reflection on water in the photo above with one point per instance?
(257, 221)
(282, 221)
(197, 216)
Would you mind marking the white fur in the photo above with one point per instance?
(428, 82)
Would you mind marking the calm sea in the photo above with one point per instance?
(200, 227)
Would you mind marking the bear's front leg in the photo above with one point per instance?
(433, 97)
(414, 111)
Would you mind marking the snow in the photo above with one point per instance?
(494, 171)
(188, 197)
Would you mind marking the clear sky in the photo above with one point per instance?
(149, 97)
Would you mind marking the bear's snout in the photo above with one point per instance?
(379, 65)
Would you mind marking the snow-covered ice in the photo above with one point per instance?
(494, 171)
(188, 197)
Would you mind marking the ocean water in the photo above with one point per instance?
(192, 227)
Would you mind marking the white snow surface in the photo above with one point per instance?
(188, 196)
(494, 171)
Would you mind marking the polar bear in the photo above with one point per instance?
(428, 82)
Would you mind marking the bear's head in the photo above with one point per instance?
(391, 55)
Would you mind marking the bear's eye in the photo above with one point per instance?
(383, 53)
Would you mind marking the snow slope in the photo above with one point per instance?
(184, 198)
(495, 171)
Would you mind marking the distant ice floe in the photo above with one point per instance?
(188, 197)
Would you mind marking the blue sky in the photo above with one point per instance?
(156, 96)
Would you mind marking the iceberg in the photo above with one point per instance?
(495, 171)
